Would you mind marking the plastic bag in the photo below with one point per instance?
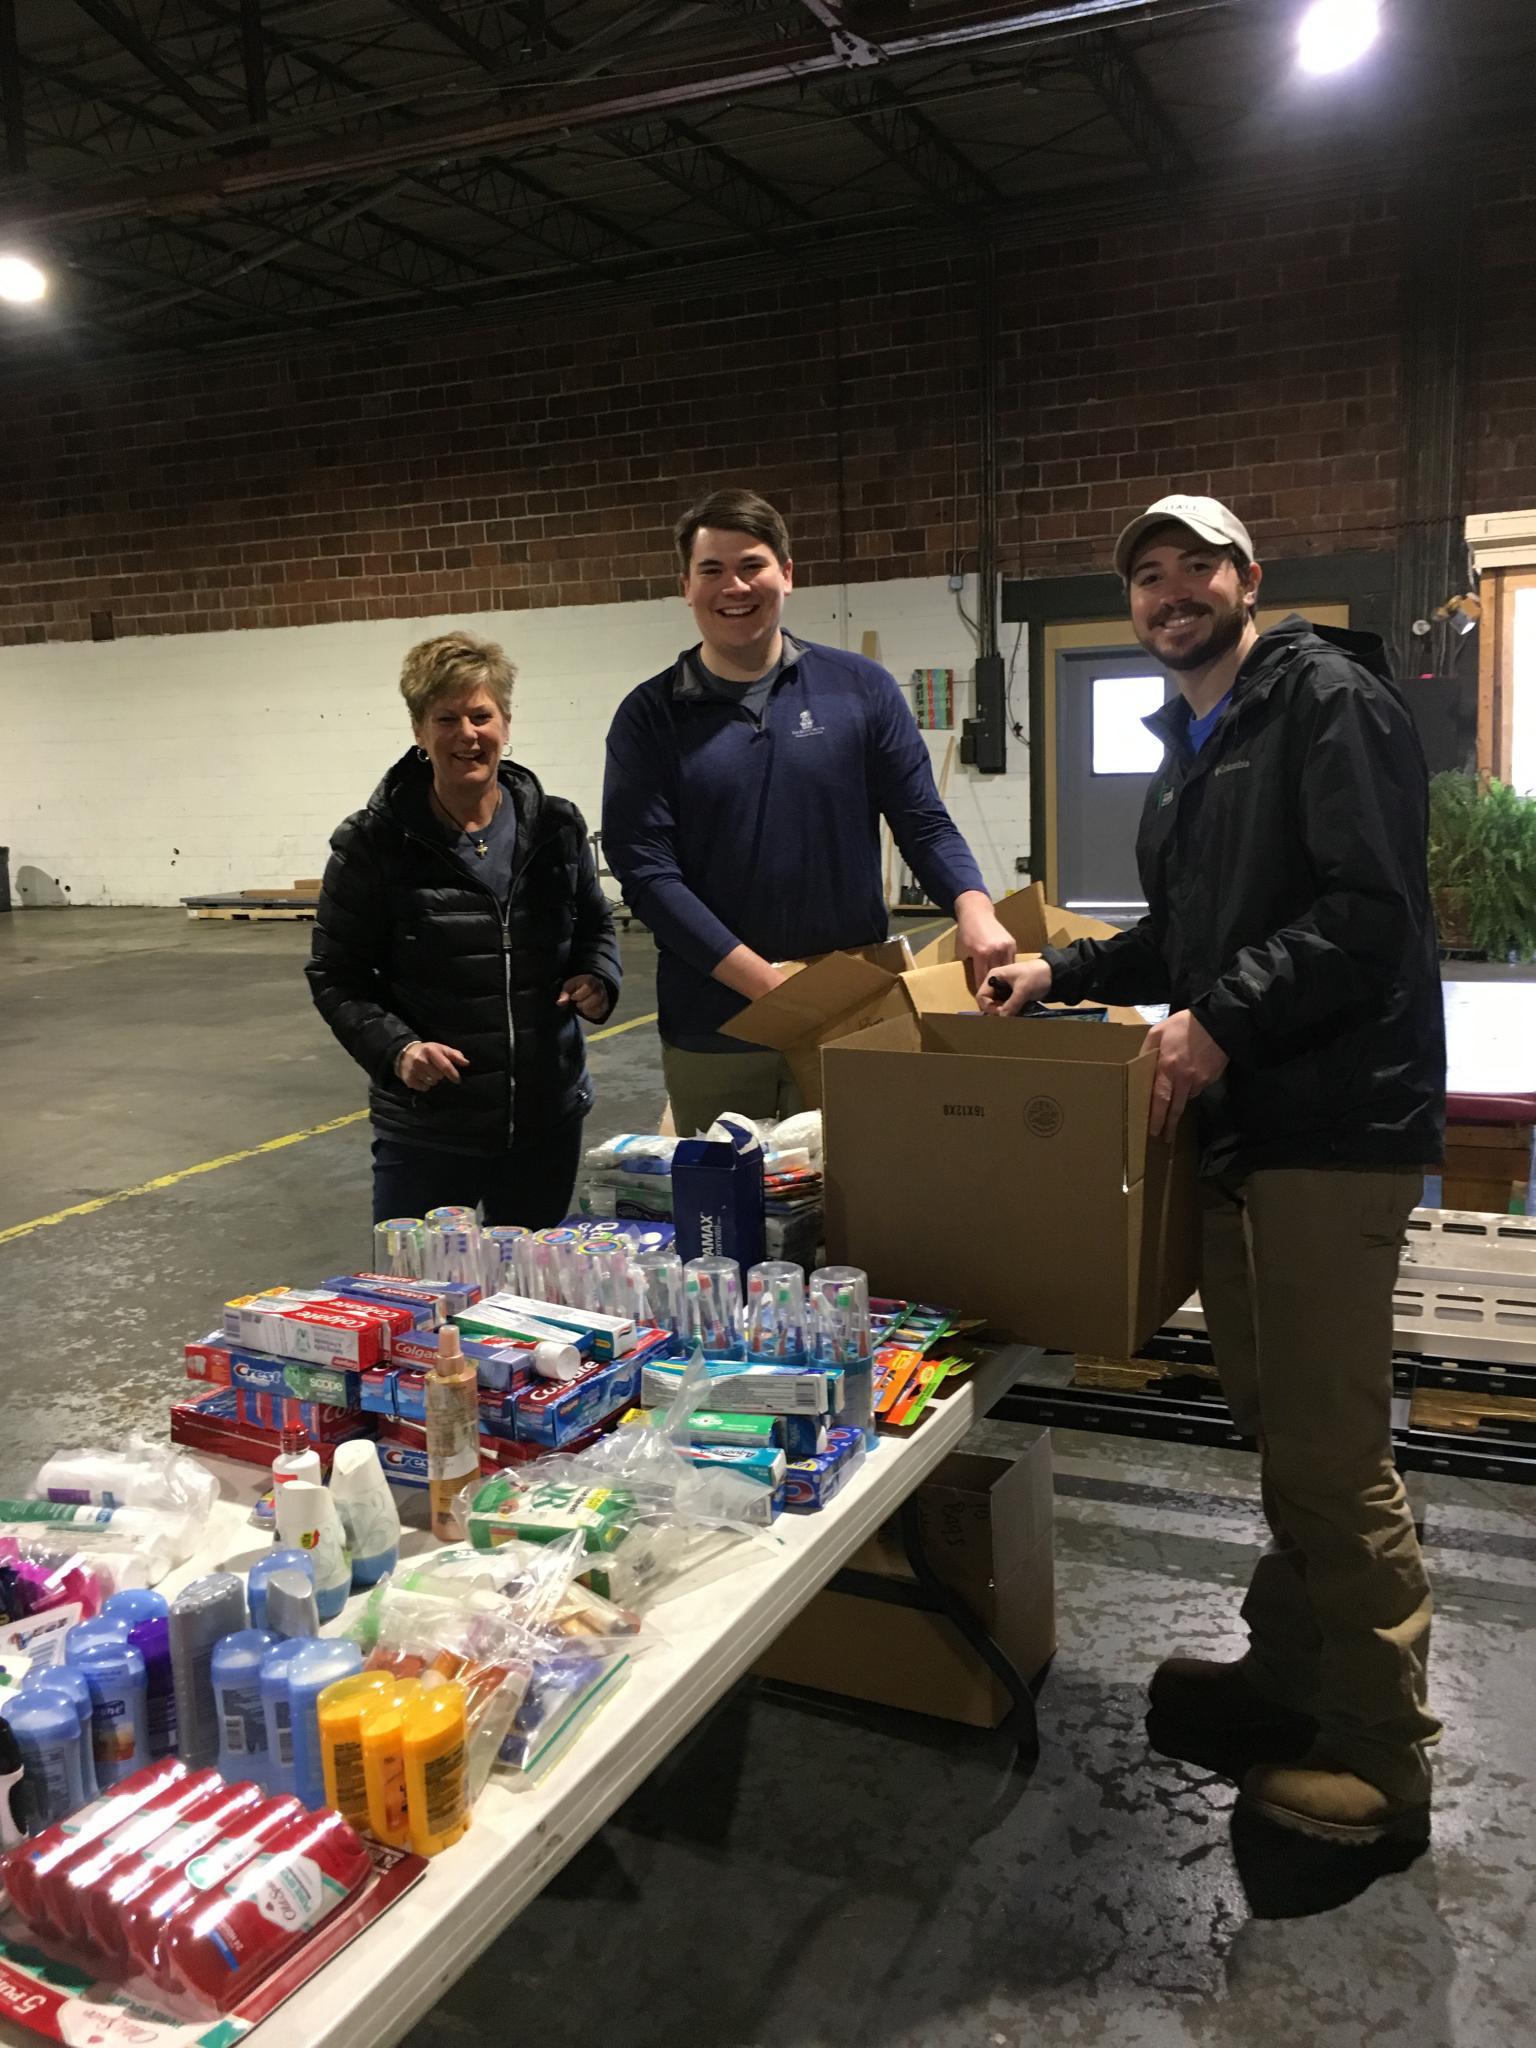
(802, 1133)
(143, 1475)
(632, 1152)
(113, 1555)
(646, 1516)
(537, 1580)
(475, 1639)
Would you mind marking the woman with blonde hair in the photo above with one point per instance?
(461, 935)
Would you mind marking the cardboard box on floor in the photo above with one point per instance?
(987, 1531)
(834, 994)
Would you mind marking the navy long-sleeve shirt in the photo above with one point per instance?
(726, 831)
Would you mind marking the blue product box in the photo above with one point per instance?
(717, 1201)
(439, 1300)
(404, 1464)
(555, 1411)
(811, 1483)
(801, 1436)
(378, 1392)
(500, 1368)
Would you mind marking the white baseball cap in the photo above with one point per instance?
(1208, 517)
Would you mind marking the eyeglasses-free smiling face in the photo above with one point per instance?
(465, 736)
(735, 587)
(1188, 599)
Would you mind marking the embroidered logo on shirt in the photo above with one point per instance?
(807, 729)
(1231, 767)
(1165, 799)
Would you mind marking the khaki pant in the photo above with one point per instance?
(701, 1084)
(1296, 1278)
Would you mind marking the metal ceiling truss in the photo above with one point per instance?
(672, 150)
(225, 76)
(906, 137)
(1119, 82)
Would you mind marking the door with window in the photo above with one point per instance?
(1105, 757)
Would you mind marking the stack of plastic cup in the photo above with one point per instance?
(661, 1276)
(399, 1248)
(775, 1324)
(502, 1258)
(839, 1303)
(712, 1300)
(453, 1251)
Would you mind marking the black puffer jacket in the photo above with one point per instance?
(409, 945)
(1288, 908)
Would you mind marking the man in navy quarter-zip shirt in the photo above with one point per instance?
(741, 811)
(1288, 928)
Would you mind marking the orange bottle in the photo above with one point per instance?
(453, 1432)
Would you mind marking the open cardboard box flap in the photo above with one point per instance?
(824, 997)
(835, 994)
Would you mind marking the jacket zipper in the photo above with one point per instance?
(504, 911)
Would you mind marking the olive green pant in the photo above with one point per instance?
(702, 1084)
(1297, 1272)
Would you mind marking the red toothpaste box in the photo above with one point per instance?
(210, 1421)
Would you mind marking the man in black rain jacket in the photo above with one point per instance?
(1282, 852)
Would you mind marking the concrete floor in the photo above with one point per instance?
(800, 1874)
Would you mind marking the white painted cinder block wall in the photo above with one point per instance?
(143, 770)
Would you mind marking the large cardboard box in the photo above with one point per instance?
(987, 1531)
(1004, 1165)
(833, 994)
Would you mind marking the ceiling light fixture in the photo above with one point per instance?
(21, 282)
(1335, 34)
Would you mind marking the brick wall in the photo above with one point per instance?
(1504, 428)
(537, 463)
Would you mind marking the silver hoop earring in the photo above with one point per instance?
(422, 754)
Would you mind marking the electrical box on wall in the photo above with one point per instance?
(984, 738)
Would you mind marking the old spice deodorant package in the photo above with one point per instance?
(76, 1881)
(220, 1811)
(147, 1916)
(219, 1947)
(29, 1869)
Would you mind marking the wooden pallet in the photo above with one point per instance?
(295, 904)
(254, 913)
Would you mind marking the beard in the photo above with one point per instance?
(1224, 627)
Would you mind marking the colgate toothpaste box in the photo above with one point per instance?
(444, 1298)
(317, 1329)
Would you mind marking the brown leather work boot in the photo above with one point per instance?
(1318, 1797)
(1215, 1698)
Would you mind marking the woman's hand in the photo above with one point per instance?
(423, 1064)
(587, 994)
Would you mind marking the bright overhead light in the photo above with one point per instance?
(21, 282)
(1336, 33)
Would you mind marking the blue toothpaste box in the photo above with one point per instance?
(810, 1483)
(717, 1201)
(554, 1411)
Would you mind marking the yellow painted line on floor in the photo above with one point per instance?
(170, 1180)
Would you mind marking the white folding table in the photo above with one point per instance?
(375, 1990)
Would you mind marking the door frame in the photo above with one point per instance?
(1092, 610)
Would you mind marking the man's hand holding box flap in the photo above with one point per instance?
(826, 998)
(1005, 1165)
